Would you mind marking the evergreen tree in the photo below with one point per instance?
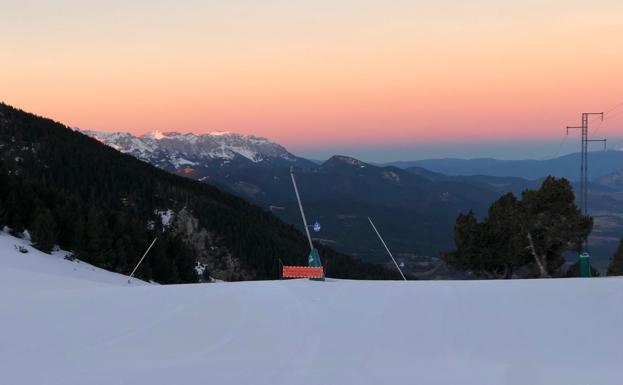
(552, 224)
(97, 233)
(532, 232)
(467, 235)
(80, 242)
(616, 263)
(44, 231)
(3, 217)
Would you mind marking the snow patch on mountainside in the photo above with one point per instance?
(166, 216)
(155, 135)
(179, 162)
(349, 160)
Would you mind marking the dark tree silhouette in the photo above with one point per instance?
(616, 263)
(533, 232)
(44, 231)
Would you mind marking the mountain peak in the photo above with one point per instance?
(159, 135)
(222, 133)
(154, 135)
(179, 150)
(344, 160)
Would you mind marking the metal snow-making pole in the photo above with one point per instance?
(314, 258)
(387, 249)
(141, 260)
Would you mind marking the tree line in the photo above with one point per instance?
(71, 191)
(526, 236)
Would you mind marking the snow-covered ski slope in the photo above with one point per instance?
(65, 326)
(35, 270)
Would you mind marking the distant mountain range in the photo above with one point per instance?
(414, 203)
(191, 153)
(601, 163)
(415, 208)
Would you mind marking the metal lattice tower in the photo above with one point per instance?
(584, 161)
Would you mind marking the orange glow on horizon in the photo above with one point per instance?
(316, 73)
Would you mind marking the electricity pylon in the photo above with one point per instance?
(584, 256)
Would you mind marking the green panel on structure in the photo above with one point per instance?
(314, 258)
(585, 265)
(314, 261)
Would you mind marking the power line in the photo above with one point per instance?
(562, 142)
(613, 108)
(599, 125)
(609, 117)
(615, 115)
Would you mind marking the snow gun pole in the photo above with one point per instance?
(298, 199)
(141, 260)
(314, 257)
(386, 248)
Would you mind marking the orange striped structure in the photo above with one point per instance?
(302, 272)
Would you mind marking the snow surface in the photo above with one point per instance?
(35, 270)
(71, 331)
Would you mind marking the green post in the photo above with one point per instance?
(585, 265)
(314, 261)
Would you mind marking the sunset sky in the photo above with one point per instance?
(382, 80)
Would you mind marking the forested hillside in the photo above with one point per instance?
(70, 190)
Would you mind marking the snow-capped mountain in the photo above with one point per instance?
(173, 150)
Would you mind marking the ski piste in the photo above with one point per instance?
(78, 324)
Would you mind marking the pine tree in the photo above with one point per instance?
(616, 263)
(44, 231)
(3, 217)
(532, 232)
(97, 232)
(552, 224)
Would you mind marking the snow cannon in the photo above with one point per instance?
(314, 262)
(585, 264)
(313, 271)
